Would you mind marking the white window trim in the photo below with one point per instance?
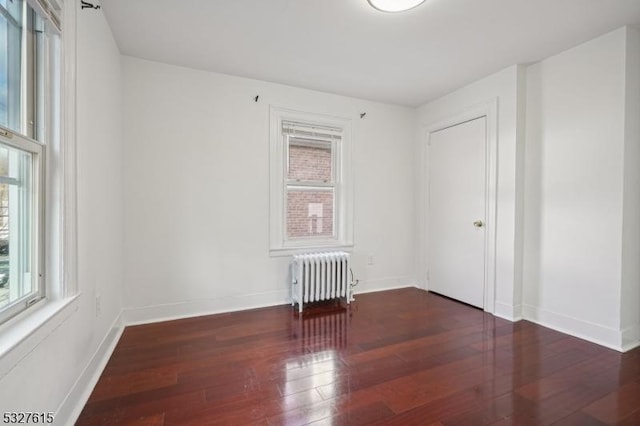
(68, 208)
(279, 245)
(20, 334)
(28, 145)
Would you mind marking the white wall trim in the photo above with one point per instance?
(69, 246)
(383, 284)
(630, 337)
(196, 308)
(488, 109)
(285, 252)
(508, 312)
(343, 227)
(24, 333)
(72, 405)
(592, 332)
(201, 307)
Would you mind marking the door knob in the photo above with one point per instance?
(478, 224)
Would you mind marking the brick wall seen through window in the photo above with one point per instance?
(310, 209)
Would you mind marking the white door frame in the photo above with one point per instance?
(489, 110)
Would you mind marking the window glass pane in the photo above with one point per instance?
(11, 21)
(310, 212)
(16, 226)
(309, 160)
(13, 8)
(4, 119)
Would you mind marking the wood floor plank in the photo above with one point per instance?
(494, 410)
(356, 416)
(435, 410)
(155, 420)
(399, 357)
(616, 406)
(123, 384)
(123, 410)
(578, 419)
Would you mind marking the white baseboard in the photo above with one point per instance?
(596, 333)
(195, 308)
(508, 312)
(74, 402)
(630, 338)
(372, 286)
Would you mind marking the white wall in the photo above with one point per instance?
(505, 86)
(630, 297)
(568, 206)
(574, 189)
(100, 168)
(52, 375)
(197, 191)
(193, 175)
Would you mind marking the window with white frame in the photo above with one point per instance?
(29, 62)
(311, 194)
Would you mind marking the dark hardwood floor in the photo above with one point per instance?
(403, 357)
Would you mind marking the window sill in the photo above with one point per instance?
(290, 251)
(22, 334)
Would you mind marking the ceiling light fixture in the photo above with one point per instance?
(395, 5)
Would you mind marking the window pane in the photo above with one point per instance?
(13, 9)
(16, 226)
(309, 160)
(310, 212)
(3, 72)
(11, 64)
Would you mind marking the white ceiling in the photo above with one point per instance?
(349, 48)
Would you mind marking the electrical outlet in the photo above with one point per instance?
(370, 259)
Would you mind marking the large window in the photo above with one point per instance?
(310, 183)
(27, 50)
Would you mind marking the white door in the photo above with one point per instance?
(457, 180)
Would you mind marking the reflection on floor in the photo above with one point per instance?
(397, 357)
